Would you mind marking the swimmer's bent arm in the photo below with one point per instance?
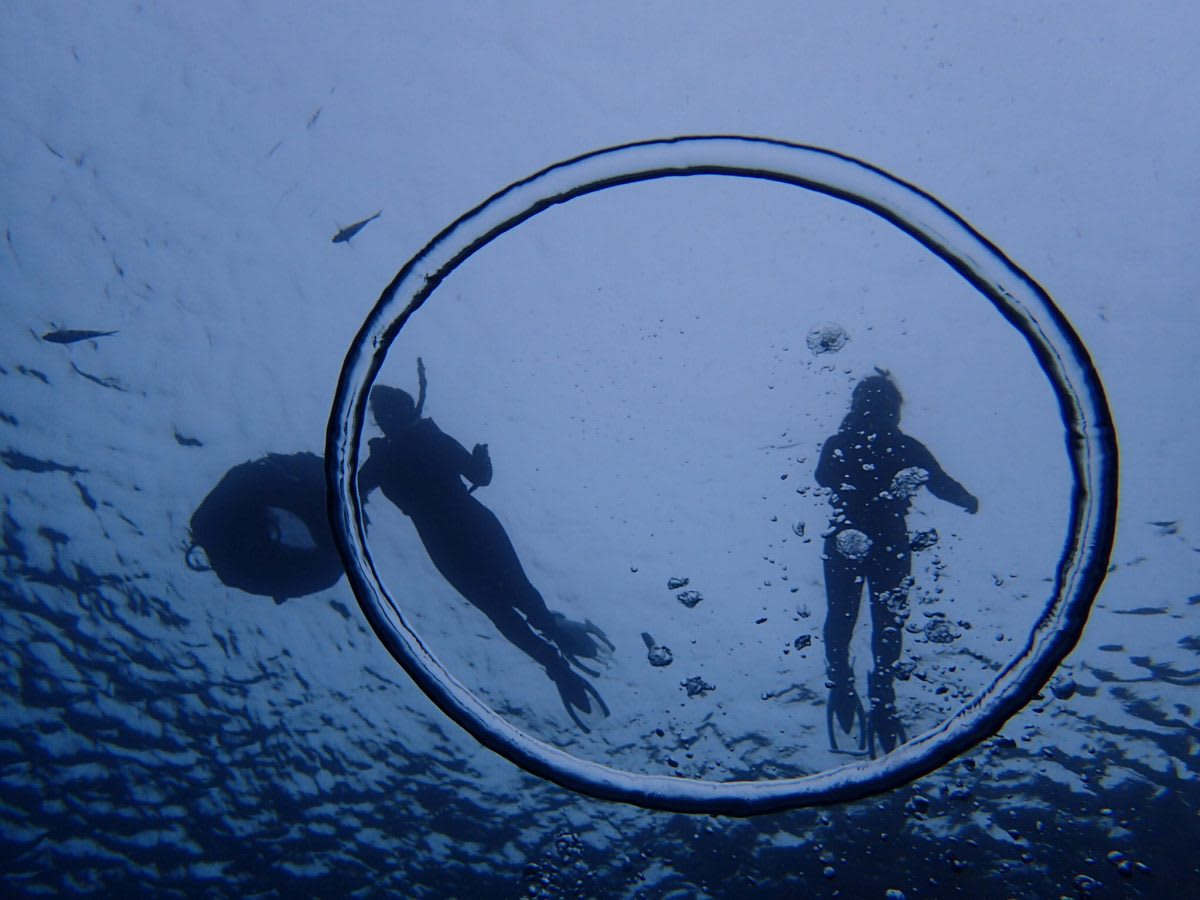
(940, 484)
(480, 473)
(475, 466)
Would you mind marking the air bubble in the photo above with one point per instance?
(853, 544)
(827, 338)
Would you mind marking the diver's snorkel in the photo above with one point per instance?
(421, 384)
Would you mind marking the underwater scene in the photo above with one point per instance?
(654, 451)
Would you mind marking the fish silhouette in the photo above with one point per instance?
(343, 236)
(71, 335)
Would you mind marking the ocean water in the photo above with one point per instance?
(654, 368)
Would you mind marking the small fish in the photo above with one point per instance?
(71, 335)
(344, 235)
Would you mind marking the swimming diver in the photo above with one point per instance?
(873, 470)
(420, 469)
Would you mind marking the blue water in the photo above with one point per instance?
(637, 363)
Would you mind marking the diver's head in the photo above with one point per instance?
(875, 403)
(392, 408)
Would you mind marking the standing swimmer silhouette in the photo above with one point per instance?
(873, 469)
(420, 469)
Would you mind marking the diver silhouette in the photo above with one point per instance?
(873, 470)
(420, 469)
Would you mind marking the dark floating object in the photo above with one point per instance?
(923, 540)
(72, 336)
(803, 642)
(674, 584)
(689, 598)
(343, 236)
(264, 529)
(658, 655)
(697, 686)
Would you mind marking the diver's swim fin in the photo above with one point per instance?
(576, 639)
(577, 693)
(883, 725)
(845, 706)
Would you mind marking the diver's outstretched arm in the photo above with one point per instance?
(946, 488)
(940, 484)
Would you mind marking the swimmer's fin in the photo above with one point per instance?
(883, 725)
(576, 694)
(845, 706)
(576, 639)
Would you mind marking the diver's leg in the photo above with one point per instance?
(517, 632)
(843, 591)
(888, 574)
(491, 551)
(469, 546)
(889, 580)
(573, 639)
(572, 689)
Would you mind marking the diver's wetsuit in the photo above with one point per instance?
(860, 467)
(420, 470)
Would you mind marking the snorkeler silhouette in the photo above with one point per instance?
(420, 469)
(874, 470)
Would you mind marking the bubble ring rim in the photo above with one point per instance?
(1091, 449)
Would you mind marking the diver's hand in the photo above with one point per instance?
(481, 462)
(972, 505)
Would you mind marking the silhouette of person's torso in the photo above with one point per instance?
(419, 471)
(862, 468)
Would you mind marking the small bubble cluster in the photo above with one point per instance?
(939, 631)
(827, 338)
(923, 540)
(853, 544)
(696, 686)
(907, 482)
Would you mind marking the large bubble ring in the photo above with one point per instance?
(1089, 433)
